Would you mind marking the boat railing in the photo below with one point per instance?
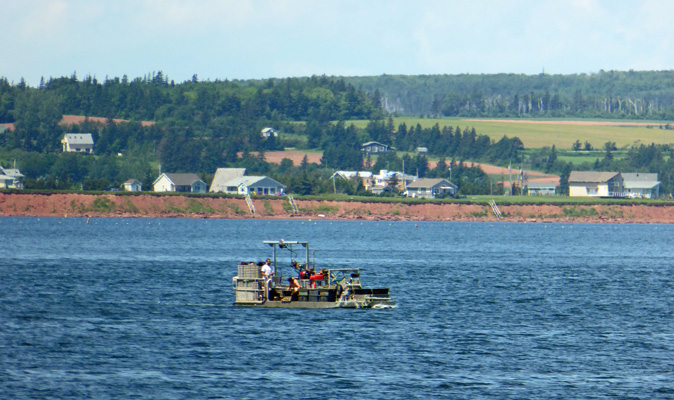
(337, 275)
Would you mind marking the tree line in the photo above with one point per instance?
(605, 94)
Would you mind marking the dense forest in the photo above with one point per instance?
(606, 94)
(199, 126)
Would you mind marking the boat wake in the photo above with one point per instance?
(384, 306)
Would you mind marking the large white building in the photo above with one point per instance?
(613, 184)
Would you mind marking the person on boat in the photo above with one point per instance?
(293, 284)
(267, 270)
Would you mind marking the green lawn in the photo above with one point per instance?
(485, 199)
(537, 135)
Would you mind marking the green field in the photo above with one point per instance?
(540, 134)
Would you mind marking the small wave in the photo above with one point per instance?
(384, 306)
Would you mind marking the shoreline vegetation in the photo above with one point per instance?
(470, 209)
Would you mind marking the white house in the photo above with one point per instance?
(78, 143)
(133, 185)
(431, 188)
(235, 181)
(639, 184)
(224, 175)
(261, 185)
(595, 184)
(379, 183)
(186, 183)
(10, 178)
(365, 177)
(268, 132)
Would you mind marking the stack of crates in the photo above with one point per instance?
(249, 271)
(248, 288)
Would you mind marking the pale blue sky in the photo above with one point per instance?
(251, 39)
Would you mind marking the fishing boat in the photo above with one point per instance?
(299, 284)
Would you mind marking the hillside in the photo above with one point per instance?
(198, 127)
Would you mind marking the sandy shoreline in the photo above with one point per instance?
(157, 206)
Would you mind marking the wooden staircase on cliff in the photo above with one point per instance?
(293, 205)
(495, 209)
(251, 206)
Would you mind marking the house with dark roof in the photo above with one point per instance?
(185, 183)
(641, 185)
(78, 143)
(595, 184)
(374, 148)
(431, 188)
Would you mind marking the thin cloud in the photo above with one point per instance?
(242, 39)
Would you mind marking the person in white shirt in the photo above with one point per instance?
(266, 270)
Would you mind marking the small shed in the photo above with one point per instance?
(133, 185)
(541, 189)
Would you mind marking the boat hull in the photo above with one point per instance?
(319, 299)
(356, 302)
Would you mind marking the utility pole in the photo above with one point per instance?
(404, 181)
(510, 174)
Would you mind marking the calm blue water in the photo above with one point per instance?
(138, 308)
